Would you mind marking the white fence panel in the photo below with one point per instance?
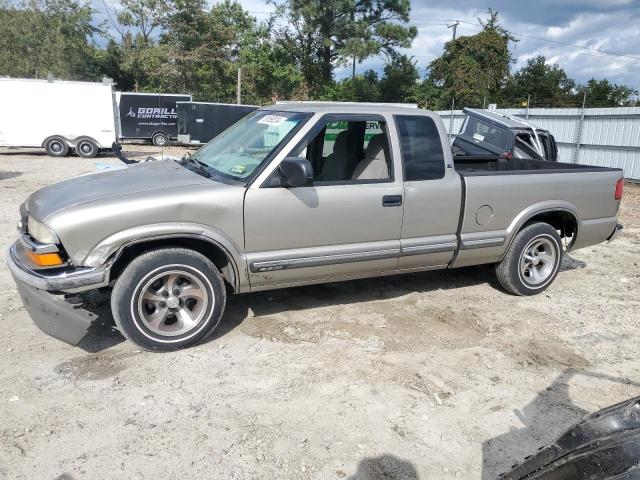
(606, 137)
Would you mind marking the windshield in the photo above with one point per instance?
(239, 150)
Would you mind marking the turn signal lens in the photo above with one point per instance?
(45, 259)
(619, 189)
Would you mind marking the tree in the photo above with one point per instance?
(602, 93)
(144, 16)
(548, 85)
(39, 37)
(476, 66)
(330, 32)
(364, 88)
(399, 81)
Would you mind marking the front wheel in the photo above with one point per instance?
(532, 261)
(168, 299)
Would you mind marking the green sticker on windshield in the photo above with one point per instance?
(239, 169)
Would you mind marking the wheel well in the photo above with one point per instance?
(563, 221)
(159, 131)
(213, 252)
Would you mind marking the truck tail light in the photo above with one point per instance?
(619, 189)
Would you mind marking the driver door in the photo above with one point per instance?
(337, 228)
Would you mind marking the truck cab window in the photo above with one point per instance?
(349, 150)
(422, 155)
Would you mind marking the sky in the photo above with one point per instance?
(598, 26)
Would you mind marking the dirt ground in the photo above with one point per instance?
(422, 376)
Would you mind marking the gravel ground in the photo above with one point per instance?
(422, 376)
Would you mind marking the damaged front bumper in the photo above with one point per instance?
(42, 294)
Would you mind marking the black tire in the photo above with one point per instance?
(160, 139)
(86, 148)
(56, 147)
(523, 271)
(132, 313)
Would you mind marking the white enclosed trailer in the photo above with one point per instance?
(58, 115)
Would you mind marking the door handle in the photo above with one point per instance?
(392, 200)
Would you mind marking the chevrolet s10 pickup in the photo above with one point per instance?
(297, 194)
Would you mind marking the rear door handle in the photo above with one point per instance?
(392, 200)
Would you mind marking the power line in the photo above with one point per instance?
(634, 59)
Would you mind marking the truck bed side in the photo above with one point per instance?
(501, 195)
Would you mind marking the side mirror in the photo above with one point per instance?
(296, 172)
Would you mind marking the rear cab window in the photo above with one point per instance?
(421, 148)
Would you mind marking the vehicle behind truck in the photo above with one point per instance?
(489, 133)
(292, 195)
(60, 116)
(151, 117)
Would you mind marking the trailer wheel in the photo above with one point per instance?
(159, 139)
(56, 147)
(86, 148)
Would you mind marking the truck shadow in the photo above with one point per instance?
(103, 335)
(384, 467)
(239, 307)
(549, 414)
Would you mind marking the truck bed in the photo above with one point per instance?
(486, 165)
(500, 193)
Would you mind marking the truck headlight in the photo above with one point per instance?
(40, 232)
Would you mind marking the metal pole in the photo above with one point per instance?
(453, 99)
(239, 87)
(455, 28)
(528, 102)
(453, 104)
(353, 77)
(576, 153)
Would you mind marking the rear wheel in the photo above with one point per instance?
(86, 148)
(56, 147)
(160, 139)
(168, 299)
(532, 261)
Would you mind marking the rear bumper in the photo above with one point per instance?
(616, 232)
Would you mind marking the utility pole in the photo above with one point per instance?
(453, 98)
(353, 77)
(455, 28)
(239, 87)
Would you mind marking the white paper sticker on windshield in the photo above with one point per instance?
(275, 120)
(478, 137)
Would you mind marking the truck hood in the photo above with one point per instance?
(156, 175)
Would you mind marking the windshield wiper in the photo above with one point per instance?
(195, 166)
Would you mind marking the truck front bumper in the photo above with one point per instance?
(42, 294)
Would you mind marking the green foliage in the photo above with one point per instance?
(365, 88)
(548, 85)
(144, 16)
(39, 37)
(185, 46)
(474, 67)
(399, 83)
(602, 93)
(328, 32)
